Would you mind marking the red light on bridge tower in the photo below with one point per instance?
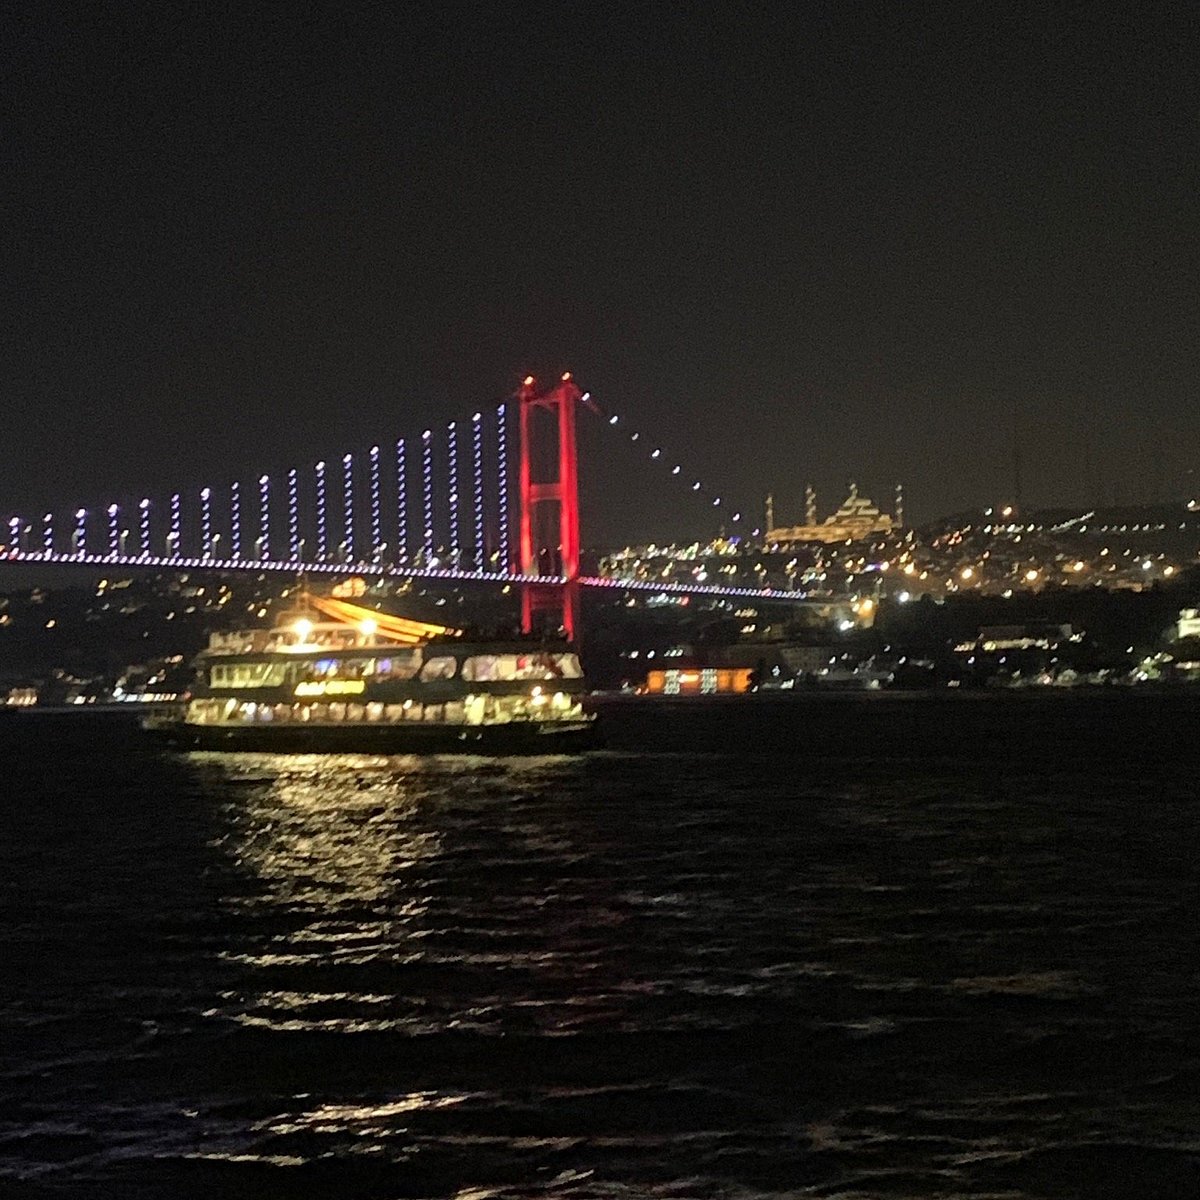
(560, 402)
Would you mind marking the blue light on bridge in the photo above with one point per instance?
(206, 531)
(477, 476)
(262, 551)
(502, 482)
(427, 487)
(376, 507)
(401, 504)
(235, 521)
(293, 490)
(348, 507)
(144, 522)
(322, 518)
(452, 487)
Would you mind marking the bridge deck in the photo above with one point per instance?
(387, 570)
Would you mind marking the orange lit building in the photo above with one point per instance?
(698, 681)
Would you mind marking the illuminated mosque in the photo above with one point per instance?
(856, 518)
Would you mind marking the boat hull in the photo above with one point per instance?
(415, 738)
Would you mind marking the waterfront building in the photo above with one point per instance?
(698, 681)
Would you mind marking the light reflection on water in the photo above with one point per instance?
(324, 834)
(340, 859)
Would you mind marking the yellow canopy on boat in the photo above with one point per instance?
(399, 629)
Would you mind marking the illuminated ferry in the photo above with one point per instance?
(336, 676)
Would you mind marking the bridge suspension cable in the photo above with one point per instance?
(655, 455)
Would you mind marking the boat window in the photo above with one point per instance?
(248, 675)
(483, 666)
(439, 668)
(507, 667)
(567, 666)
(400, 664)
(209, 712)
(343, 668)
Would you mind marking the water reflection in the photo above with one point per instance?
(327, 833)
(328, 867)
(410, 895)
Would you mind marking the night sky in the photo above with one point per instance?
(796, 242)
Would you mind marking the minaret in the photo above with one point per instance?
(899, 506)
(770, 512)
(810, 505)
(1016, 460)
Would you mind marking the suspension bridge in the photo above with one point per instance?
(450, 504)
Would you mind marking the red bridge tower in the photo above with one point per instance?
(561, 597)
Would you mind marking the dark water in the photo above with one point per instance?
(856, 948)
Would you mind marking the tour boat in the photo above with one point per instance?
(337, 676)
